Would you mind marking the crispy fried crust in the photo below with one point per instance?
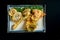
(17, 23)
(12, 11)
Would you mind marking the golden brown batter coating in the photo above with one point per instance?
(26, 13)
(12, 11)
(16, 16)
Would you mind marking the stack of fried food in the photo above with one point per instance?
(31, 21)
(29, 16)
(16, 17)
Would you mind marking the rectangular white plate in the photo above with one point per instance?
(40, 27)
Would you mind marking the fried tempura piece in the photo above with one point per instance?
(17, 23)
(16, 16)
(12, 11)
(29, 25)
(26, 24)
(37, 14)
(26, 13)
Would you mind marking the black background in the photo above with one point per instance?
(52, 21)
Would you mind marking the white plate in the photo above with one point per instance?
(40, 26)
